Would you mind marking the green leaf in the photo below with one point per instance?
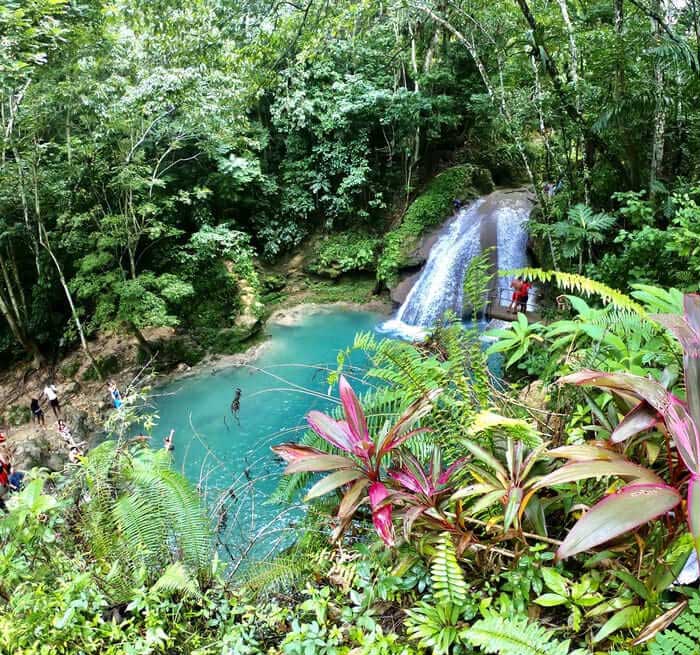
(332, 481)
(551, 600)
(621, 619)
(555, 581)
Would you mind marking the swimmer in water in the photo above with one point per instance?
(168, 441)
(236, 405)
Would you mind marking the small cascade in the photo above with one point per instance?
(494, 220)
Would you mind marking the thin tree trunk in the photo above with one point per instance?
(10, 289)
(619, 48)
(658, 137)
(143, 342)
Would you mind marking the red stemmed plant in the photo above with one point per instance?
(425, 495)
(362, 467)
(645, 496)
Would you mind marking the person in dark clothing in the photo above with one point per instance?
(236, 405)
(37, 412)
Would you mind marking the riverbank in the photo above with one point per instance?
(85, 400)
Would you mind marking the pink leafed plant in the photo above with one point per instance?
(645, 496)
(361, 468)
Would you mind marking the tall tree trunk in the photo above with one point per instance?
(549, 65)
(619, 48)
(658, 136)
(69, 297)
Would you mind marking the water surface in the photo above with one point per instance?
(288, 379)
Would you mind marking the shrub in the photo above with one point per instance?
(345, 252)
(108, 365)
(18, 415)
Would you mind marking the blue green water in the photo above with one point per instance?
(279, 387)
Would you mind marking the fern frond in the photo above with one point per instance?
(581, 284)
(177, 579)
(449, 586)
(514, 636)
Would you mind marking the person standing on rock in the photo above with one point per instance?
(515, 284)
(51, 394)
(38, 413)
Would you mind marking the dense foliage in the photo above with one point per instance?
(130, 132)
(162, 162)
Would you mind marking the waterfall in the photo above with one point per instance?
(497, 219)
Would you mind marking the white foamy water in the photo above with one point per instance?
(439, 287)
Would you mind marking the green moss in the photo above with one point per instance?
(69, 369)
(350, 289)
(17, 415)
(429, 209)
(344, 253)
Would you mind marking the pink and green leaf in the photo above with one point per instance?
(642, 418)
(400, 430)
(354, 414)
(333, 481)
(641, 388)
(575, 471)
(331, 430)
(351, 499)
(617, 514)
(693, 510)
(304, 459)
(381, 516)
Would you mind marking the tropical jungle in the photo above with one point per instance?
(349, 327)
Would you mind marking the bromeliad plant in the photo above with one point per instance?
(364, 463)
(646, 496)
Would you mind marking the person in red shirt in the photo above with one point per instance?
(515, 284)
(523, 296)
(5, 471)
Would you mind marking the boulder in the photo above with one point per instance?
(400, 292)
(38, 452)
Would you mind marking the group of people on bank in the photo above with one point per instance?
(10, 478)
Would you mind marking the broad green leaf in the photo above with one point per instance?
(621, 619)
(551, 600)
(555, 581)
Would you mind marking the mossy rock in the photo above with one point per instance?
(272, 283)
(428, 210)
(233, 340)
(69, 369)
(178, 350)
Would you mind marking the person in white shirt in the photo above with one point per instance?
(51, 394)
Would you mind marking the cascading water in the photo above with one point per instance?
(498, 220)
(511, 244)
